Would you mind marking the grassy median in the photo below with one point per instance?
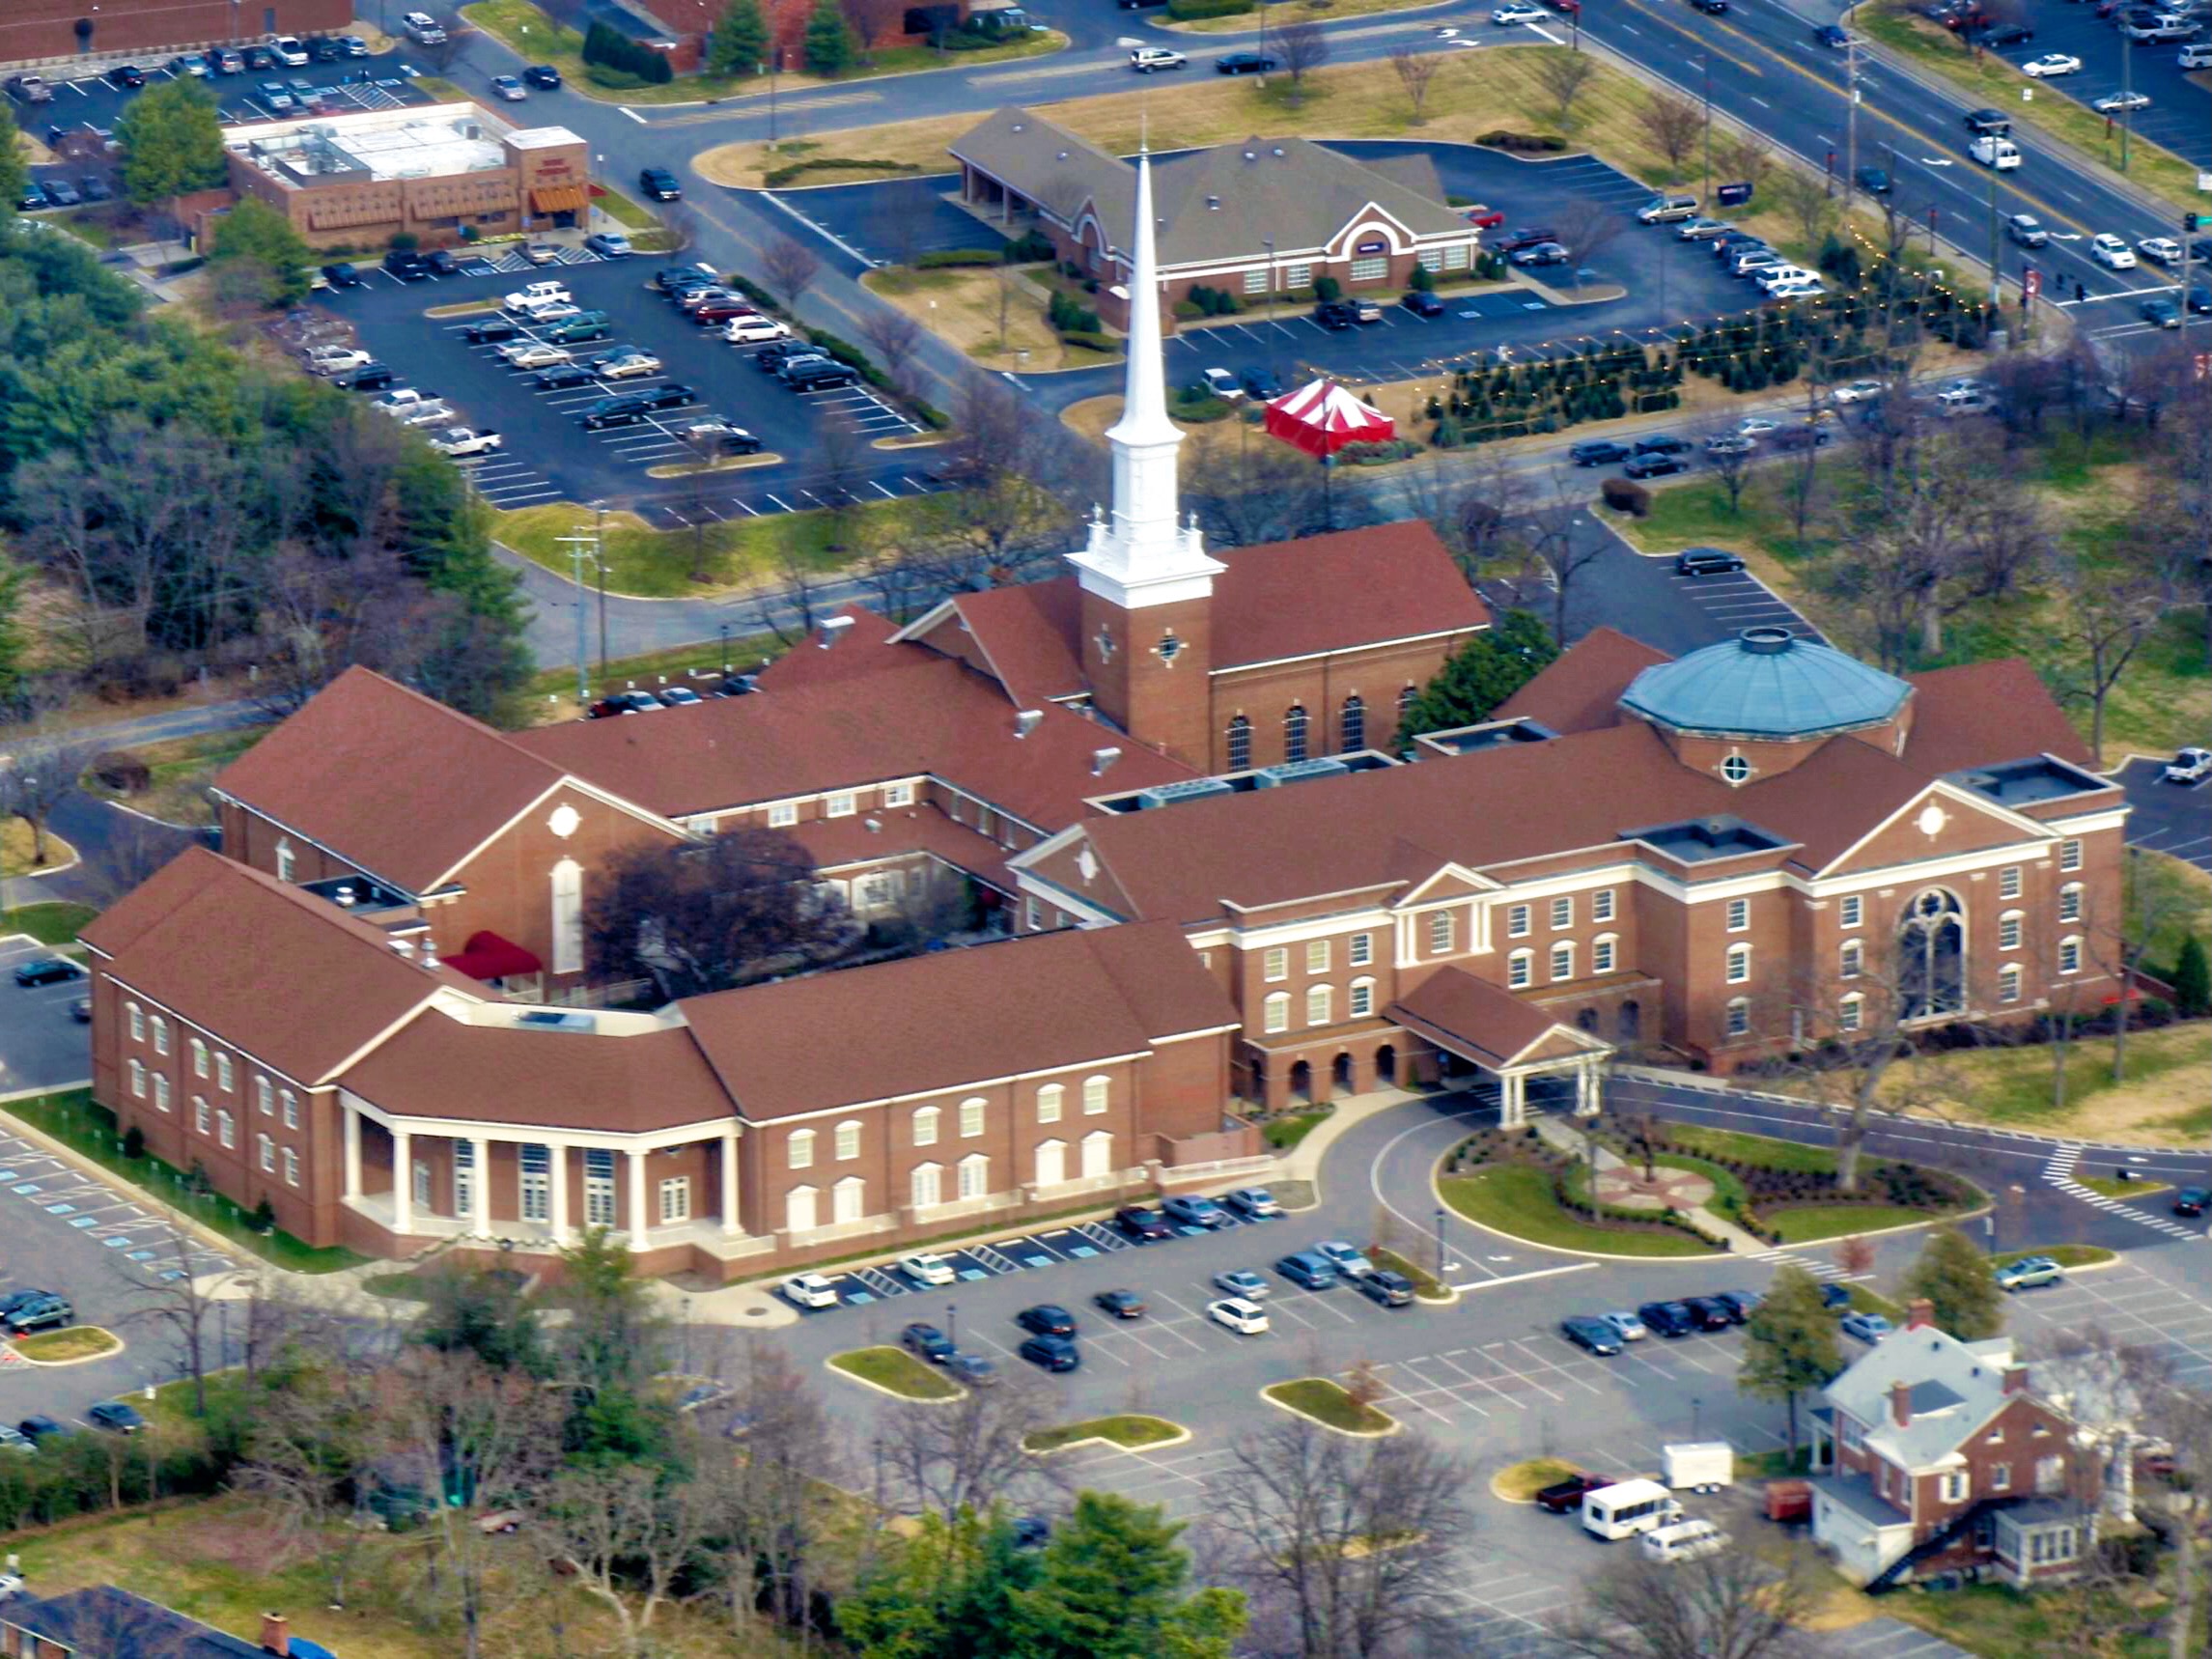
(60, 1348)
(2065, 1255)
(1132, 1432)
(1331, 1405)
(898, 1372)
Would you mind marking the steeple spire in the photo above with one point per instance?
(1139, 555)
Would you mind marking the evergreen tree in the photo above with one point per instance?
(2192, 981)
(740, 46)
(830, 48)
(1789, 1344)
(946, 1592)
(1481, 674)
(15, 171)
(14, 647)
(1111, 1588)
(1958, 1281)
(257, 248)
(172, 141)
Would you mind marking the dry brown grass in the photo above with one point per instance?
(962, 306)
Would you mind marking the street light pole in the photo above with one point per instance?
(2127, 113)
(598, 553)
(1851, 122)
(1706, 58)
(952, 1323)
(1439, 1244)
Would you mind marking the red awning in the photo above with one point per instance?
(490, 957)
(1322, 417)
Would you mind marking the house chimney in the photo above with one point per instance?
(1920, 1314)
(834, 630)
(1901, 1403)
(1102, 761)
(2016, 1379)
(276, 1635)
(406, 949)
(1027, 721)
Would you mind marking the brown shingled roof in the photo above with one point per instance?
(166, 940)
(834, 842)
(387, 778)
(1028, 634)
(1473, 1017)
(1327, 593)
(859, 650)
(1982, 712)
(954, 1017)
(1580, 690)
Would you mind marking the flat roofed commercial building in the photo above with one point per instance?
(431, 173)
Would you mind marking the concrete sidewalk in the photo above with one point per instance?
(1562, 1134)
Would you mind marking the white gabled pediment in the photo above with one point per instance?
(1938, 821)
(1449, 881)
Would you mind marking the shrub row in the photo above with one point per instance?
(1214, 301)
(1032, 247)
(1627, 496)
(1614, 1218)
(608, 47)
(1186, 10)
(1066, 317)
(1378, 453)
(784, 174)
(940, 259)
(1523, 143)
(1092, 338)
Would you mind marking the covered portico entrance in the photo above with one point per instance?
(1496, 1032)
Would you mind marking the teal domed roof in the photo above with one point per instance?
(1765, 683)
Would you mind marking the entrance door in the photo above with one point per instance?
(798, 1209)
(1051, 1163)
(849, 1200)
(599, 1190)
(1098, 1154)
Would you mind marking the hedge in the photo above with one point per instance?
(1523, 143)
(1377, 454)
(1091, 338)
(1184, 11)
(1626, 496)
(937, 258)
(784, 174)
(608, 47)
(845, 351)
(1032, 247)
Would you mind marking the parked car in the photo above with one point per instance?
(1626, 1326)
(1835, 1298)
(925, 1267)
(1540, 255)
(973, 1370)
(1336, 316)
(1245, 1318)
(1348, 1259)
(1421, 302)
(2007, 34)
(1668, 210)
(1565, 1497)
(1654, 465)
(1306, 1270)
(809, 1290)
(681, 697)
(1390, 1290)
(491, 330)
(608, 245)
(41, 1429)
(925, 1341)
(820, 375)
(754, 329)
(1244, 64)
(42, 1310)
(116, 1416)
(1256, 1202)
(1702, 230)
(1194, 1210)
(1866, 1326)
(628, 410)
(368, 377)
(1121, 1304)
(533, 354)
(1242, 1281)
(1739, 1303)
(126, 75)
(543, 76)
(2190, 765)
(59, 193)
(1599, 452)
(48, 970)
(562, 377)
(460, 441)
(275, 97)
(1053, 1353)
(1667, 1318)
(29, 89)
(342, 275)
(1706, 562)
(718, 437)
(1709, 1312)
(1594, 1334)
(2028, 1272)
(1047, 1319)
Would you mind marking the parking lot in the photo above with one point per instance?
(2178, 116)
(1736, 601)
(41, 1044)
(2174, 818)
(547, 454)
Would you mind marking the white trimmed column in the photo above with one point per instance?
(638, 1227)
(352, 1120)
(403, 1182)
(480, 1189)
(1514, 1111)
(730, 1183)
(557, 1171)
(1587, 1093)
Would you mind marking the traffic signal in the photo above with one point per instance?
(2190, 221)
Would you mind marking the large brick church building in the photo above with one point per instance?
(1168, 780)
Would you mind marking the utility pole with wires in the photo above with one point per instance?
(1995, 252)
(577, 542)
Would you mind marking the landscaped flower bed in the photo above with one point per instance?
(1569, 1190)
(1784, 1181)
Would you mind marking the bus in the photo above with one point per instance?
(1628, 1507)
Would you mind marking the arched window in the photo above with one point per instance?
(222, 1069)
(849, 1200)
(1240, 744)
(1097, 1095)
(1293, 733)
(847, 1140)
(1931, 952)
(264, 1153)
(2070, 955)
(1362, 1002)
(1520, 969)
(927, 1186)
(137, 1022)
(1738, 1023)
(226, 1129)
(161, 1092)
(1851, 1012)
(2070, 902)
(1353, 724)
(1317, 1003)
(1049, 1100)
(265, 1097)
(1098, 1154)
(1406, 698)
(1275, 1012)
(1739, 964)
(568, 885)
(2008, 930)
(1562, 960)
(974, 1176)
(972, 1117)
(799, 1154)
(1851, 960)
(2008, 983)
(925, 1125)
(798, 1209)
(291, 1109)
(284, 856)
(137, 1078)
(160, 1035)
(199, 1115)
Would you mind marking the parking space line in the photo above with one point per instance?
(1486, 1382)
(1399, 1395)
(1561, 1399)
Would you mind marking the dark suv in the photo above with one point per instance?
(1645, 465)
(407, 265)
(1337, 315)
(659, 183)
(813, 377)
(926, 1342)
(48, 970)
(625, 411)
(1705, 562)
(1667, 1318)
(1142, 1224)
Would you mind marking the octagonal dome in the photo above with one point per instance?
(1765, 683)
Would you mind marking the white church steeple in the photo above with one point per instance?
(1138, 555)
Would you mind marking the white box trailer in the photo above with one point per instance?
(1702, 1465)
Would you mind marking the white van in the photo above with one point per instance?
(1684, 1542)
(1991, 151)
(2197, 55)
(1627, 1507)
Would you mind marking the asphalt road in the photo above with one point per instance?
(2170, 817)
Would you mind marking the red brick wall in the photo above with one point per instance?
(1162, 703)
(1320, 686)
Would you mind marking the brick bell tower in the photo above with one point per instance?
(1147, 581)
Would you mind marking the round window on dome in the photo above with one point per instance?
(1736, 769)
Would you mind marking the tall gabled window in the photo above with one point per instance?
(1739, 964)
(1563, 911)
(1562, 962)
(137, 1022)
(1441, 931)
(160, 1035)
(972, 1111)
(1317, 1001)
(847, 1140)
(1851, 960)
(798, 1152)
(1275, 1014)
(1605, 950)
(2069, 855)
(2070, 902)
(1294, 724)
(1520, 969)
(1738, 1022)
(222, 1070)
(1353, 724)
(925, 1125)
(1051, 1098)
(1098, 1095)
(1240, 745)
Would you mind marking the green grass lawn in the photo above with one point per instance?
(677, 663)
(1328, 1402)
(2113, 1187)
(1522, 1482)
(53, 922)
(73, 1118)
(1867, 1301)
(2065, 1255)
(1759, 1150)
(1515, 1198)
(896, 1369)
(1284, 1133)
(75, 1342)
(2012, 1087)
(1994, 1619)
(1808, 1222)
(1131, 1430)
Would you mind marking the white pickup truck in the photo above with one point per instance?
(460, 441)
(534, 297)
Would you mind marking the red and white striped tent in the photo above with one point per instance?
(1322, 417)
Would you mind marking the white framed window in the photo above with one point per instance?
(1296, 276)
(1275, 963)
(291, 1108)
(975, 1177)
(1739, 964)
(898, 795)
(1738, 915)
(290, 1166)
(2070, 955)
(2001, 1477)
(1738, 1022)
(1456, 255)
(160, 1035)
(675, 1199)
(798, 1152)
(223, 1076)
(2008, 931)
(1362, 999)
(1098, 1095)
(1031, 913)
(972, 1117)
(1602, 905)
(1563, 912)
(567, 881)
(161, 1092)
(1605, 952)
(925, 1125)
(1440, 930)
(1317, 1004)
(2008, 881)
(1431, 259)
(2069, 855)
(1851, 1012)
(1317, 956)
(199, 1058)
(783, 814)
(138, 1078)
(1736, 769)
(199, 1115)
(265, 1153)
(1051, 1099)
(926, 1186)
(1851, 959)
(1562, 962)
(265, 1096)
(1255, 282)
(1293, 732)
(1363, 951)
(1850, 910)
(1274, 1012)
(842, 804)
(1517, 921)
(1520, 969)
(137, 1022)
(2070, 902)
(226, 1128)
(1368, 270)
(2009, 980)
(1953, 1485)
(284, 861)
(846, 1140)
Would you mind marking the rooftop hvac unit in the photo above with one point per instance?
(1297, 772)
(557, 1020)
(1183, 788)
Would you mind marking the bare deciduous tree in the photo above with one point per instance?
(2112, 1389)
(1562, 74)
(41, 765)
(1414, 70)
(628, 1532)
(1551, 542)
(1733, 1605)
(180, 1303)
(2114, 602)
(788, 264)
(1672, 124)
(768, 1514)
(1302, 45)
(894, 337)
(1587, 229)
(1805, 201)
(1744, 159)
(968, 1456)
(311, 1441)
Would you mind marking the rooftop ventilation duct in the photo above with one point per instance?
(834, 630)
(1102, 761)
(1027, 721)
